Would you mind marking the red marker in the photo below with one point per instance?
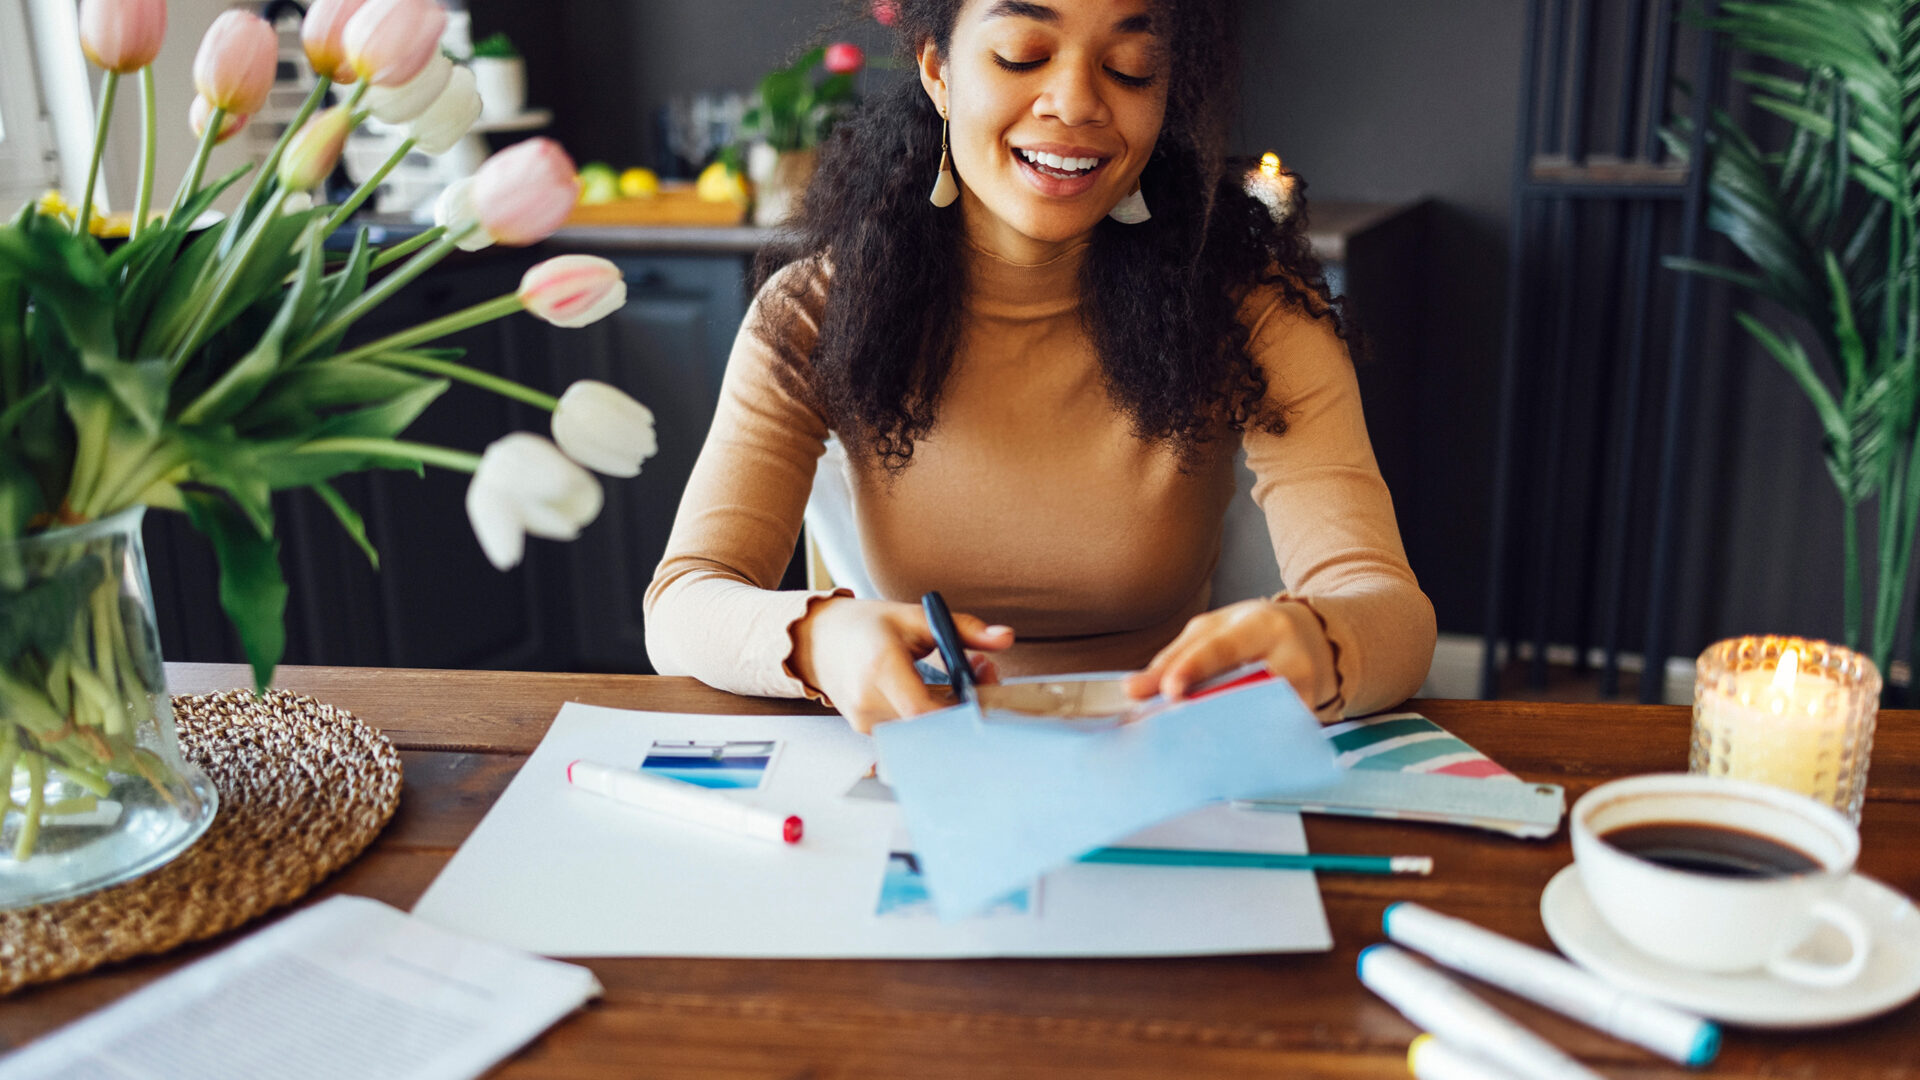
(688, 802)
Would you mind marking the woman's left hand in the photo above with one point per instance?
(1284, 633)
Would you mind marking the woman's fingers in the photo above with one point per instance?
(984, 669)
(976, 634)
(1146, 682)
(894, 690)
(1206, 657)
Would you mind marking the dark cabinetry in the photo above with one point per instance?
(436, 602)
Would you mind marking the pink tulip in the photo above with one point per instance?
(229, 123)
(389, 41)
(573, 290)
(886, 12)
(321, 34)
(525, 192)
(234, 68)
(122, 35)
(844, 58)
(313, 150)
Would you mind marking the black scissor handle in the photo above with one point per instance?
(947, 637)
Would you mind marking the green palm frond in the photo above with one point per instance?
(1829, 228)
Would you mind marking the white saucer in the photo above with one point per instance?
(1752, 998)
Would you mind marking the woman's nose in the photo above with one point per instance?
(1073, 96)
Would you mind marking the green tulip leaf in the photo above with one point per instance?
(349, 520)
(253, 592)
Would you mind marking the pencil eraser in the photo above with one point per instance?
(790, 832)
(570, 766)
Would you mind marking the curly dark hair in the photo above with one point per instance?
(1160, 300)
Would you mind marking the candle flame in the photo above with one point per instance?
(1789, 669)
(1270, 165)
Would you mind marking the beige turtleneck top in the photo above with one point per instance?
(1032, 504)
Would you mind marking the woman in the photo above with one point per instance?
(1041, 385)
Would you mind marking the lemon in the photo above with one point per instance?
(639, 184)
(717, 183)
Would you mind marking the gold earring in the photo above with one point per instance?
(944, 189)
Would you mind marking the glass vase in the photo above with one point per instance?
(97, 790)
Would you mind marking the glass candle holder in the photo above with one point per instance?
(1793, 712)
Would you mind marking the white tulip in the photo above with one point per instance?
(526, 485)
(399, 104)
(603, 428)
(446, 120)
(454, 210)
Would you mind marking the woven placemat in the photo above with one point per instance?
(304, 788)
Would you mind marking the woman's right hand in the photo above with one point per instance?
(860, 654)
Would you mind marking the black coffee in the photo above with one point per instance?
(1710, 849)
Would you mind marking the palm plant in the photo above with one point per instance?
(1830, 224)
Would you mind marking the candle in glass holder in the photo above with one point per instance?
(1787, 711)
(1272, 184)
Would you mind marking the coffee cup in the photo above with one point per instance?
(1720, 875)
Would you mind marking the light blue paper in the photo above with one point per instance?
(990, 807)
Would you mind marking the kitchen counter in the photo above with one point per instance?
(1333, 223)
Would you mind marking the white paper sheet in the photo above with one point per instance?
(563, 872)
(347, 988)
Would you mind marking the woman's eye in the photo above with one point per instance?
(1136, 81)
(1017, 65)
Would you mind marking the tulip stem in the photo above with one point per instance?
(485, 311)
(84, 222)
(149, 137)
(376, 296)
(407, 247)
(395, 450)
(366, 189)
(390, 352)
(191, 182)
(271, 166)
(231, 272)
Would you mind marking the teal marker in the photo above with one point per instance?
(1262, 860)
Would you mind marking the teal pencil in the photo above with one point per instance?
(1263, 860)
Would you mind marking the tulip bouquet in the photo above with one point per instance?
(201, 368)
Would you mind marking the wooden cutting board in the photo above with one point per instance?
(675, 205)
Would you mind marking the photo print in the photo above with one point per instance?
(903, 893)
(712, 763)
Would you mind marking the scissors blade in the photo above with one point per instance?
(1081, 703)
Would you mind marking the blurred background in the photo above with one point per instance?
(1593, 474)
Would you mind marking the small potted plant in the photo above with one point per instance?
(501, 75)
(792, 111)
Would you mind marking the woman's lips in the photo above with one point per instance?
(1058, 186)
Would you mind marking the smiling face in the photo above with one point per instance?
(1054, 108)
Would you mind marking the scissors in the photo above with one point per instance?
(1083, 704)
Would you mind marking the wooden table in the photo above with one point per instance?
(464, 733)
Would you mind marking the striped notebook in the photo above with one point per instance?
(1409, 742)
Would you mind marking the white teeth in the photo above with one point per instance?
(1055, 161)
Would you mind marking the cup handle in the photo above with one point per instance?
(1842, 918)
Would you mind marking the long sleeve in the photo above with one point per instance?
(1330, 515)
(712, 610)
